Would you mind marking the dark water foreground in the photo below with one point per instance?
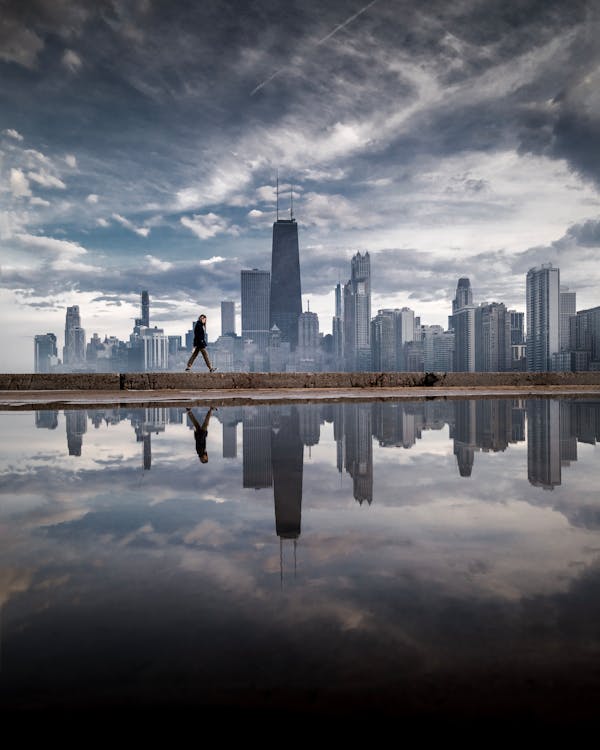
(424, 564)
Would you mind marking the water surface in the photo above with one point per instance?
(428, 559)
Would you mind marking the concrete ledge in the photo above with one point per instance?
(40, 381)
(289, 380)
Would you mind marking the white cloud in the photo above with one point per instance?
(212, 261)
(62, 254)
(35, 201)
(71, 60)
(102, 223)
(62, 249)
(92, 198)
(160, 265)
(47, 180)
(71, 160)
(208, 225)
(142, 231)
(19, 184)
(11, 133)
(255, 214)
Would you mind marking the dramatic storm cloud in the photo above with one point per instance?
(140, 142)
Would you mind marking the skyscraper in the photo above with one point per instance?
(568, 308)
(337, 329)
(492, 338)
(45, 352)
(463, 323)
(286, 296)
(145, 309)
(543, 316)
(464, 294)
(256, 287)
(74, 348)
(227, 317)
(357, 315)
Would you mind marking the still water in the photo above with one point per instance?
(426, 559)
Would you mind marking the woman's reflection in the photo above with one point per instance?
(200, 433)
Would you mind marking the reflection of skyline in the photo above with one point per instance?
(273, 437)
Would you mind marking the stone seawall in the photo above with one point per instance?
(295, 380)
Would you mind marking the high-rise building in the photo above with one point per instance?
(256, 288)
(357, 315)
(145, 309)
(74, 348)
(463, 323)
(543, 316)
(568, 308)
(517, 327)
(337, 329)
(492, 338)
(383, 341)
(463, 296)
(227, 317)
(45, 352)
(405, 334)
(155, 347)
(286, 295)
(438, 349)
(586, 339)
(308, 337)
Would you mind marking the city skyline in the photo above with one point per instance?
(445, 141)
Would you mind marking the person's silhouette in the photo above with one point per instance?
(200, 433)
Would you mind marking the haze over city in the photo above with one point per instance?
(139, 148)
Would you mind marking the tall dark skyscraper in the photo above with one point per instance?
(286, 295)
(145, 309)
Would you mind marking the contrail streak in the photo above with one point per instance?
(321, 41)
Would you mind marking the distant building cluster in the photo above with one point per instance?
(273, 438)
(278, 336)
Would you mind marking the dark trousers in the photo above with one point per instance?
(202, 350)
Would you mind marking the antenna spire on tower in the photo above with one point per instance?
(278, 195)
(291, 201)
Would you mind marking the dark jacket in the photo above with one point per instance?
(200, 335)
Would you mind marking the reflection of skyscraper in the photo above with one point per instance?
(359, 450)
(543, 443)
(229, 438)
(464, 434)
(147, 453)
(76, 421)
(287, 457)
(543, 316)
(256, 435)
(46, 420)
(309, 424)
(285, 298)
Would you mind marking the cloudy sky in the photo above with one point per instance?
(140, 142)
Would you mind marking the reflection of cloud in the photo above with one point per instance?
(209, 533)
(13, 581)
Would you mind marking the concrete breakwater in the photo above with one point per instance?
(146, 381)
